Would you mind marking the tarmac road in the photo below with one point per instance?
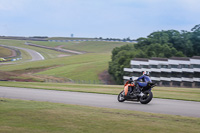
(35, 55)
(162, 106)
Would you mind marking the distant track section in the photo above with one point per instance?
(56, 49)
(34, 54)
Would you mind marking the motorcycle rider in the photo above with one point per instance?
(145, 80)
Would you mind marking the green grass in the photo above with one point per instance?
(190, 94)
(97, 47)
(5, 52)
(46, 43)
(11, 42)
(90, 46)
(87, 70)
(42, 117)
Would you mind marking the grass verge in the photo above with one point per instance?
(30, 116)
(189, 94)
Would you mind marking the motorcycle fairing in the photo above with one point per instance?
(126, 88)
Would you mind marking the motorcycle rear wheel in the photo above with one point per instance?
(120, 97)
(146, 98)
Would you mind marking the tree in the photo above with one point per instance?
(159, 37)
(195, 39)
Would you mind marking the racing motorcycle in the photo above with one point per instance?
(131, 93)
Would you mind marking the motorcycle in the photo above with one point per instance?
(130, 93)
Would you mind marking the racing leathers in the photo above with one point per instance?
(145, 79)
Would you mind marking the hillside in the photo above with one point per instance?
(60, 67)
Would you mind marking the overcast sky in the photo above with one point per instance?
(96, 18)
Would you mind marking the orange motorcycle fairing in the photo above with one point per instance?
(126, 88)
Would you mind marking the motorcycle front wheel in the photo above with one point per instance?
(120, 97)
(146, 98)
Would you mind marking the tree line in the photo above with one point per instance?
(164, 44)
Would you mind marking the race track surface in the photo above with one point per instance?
(162, 106)
(34, 54)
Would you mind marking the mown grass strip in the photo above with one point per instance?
(189, 94)
(30, 116)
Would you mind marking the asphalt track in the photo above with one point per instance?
(162, 106)
(35, 55)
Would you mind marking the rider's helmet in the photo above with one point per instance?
(146, 73)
